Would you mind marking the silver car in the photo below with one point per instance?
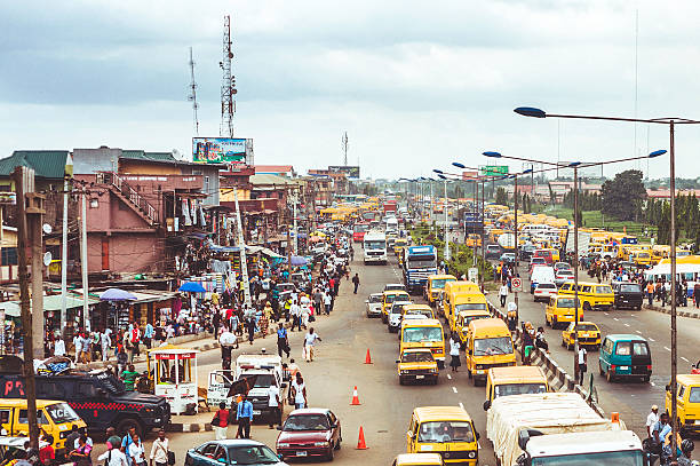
(374, 305)
(396, 315)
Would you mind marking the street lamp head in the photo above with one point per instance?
(459, 165)
(492, 154)
(530, 112)
(657, 153)
(529, 170)
(442, 177)
(574, 164)
(438, 171)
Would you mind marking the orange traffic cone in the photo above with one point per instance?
(361, 445)
(355, 398)
(368, 358)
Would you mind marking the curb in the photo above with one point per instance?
(193, 427)
(663, 310)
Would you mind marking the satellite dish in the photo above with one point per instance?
(48, 257)
(47, 228)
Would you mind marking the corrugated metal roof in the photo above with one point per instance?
(49, 164)
(142, 155)
(270, 179)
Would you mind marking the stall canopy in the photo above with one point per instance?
(249, 249)
(51, 303)
(116, 294)
(192, 287)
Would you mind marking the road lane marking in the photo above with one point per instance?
(683, 358)
(667, 348)
(616, 319)
(638, 332)
(651, 339)
(607, 314)
(449, 376)
(461, 405)
(454, 389)
(627, 325)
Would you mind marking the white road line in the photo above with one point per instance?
(607, 314)
(651, 339)
(449, 376)
(627, 325)
(652, 384)
(454, 389)
(667, 348)
(638, 332)
(616, 319)
(685, 359)
(461, 405)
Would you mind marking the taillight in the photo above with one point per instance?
(649, 367)
(612, 367)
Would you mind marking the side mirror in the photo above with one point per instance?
(487, 405)
(409, 434)
(398, 361)
(279, 427)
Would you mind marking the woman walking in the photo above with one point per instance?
(455, 347)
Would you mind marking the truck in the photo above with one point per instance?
(359, 230)
(419, 263)
(390, 205)
(375, 247)
(557, 428)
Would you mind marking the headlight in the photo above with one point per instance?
(320, 444)
(404, 372)
(472, 454)
(479, 366)
(282, 445)
(432, 371)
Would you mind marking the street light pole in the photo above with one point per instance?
(447, 238)
(517, 252)
(576, 270)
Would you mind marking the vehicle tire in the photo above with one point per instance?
(125, 424)
(587, 306)
(549, 324)
(340, 440)
(609, 377)
(331, 454)
(554, 323)
(600, 369)
(645, 379)
(402, 381)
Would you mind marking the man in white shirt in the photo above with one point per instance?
(275, 415)
(59, 348)
(582, 363)
(77, 345)
(652, 419)
(503, 293)
(106, 344)
(295, 312)
(114, 457)
(309, 342)
(159, 450)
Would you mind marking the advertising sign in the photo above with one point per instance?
(470, 175)
(219, 150)
(494, 170)
(349, 170)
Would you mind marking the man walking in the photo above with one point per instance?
(159, 450)
(582, 364)
(275, 415)
(356, 282)
(503, 293)
(282, 341)
(245, 417)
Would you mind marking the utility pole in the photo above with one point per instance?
(64, 245)
(24, 183)
(83, 257)
(447, 232)
(517, 252)
(576, 270)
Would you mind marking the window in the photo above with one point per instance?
(4, 416)
(586, 289)
(40, 416)
(681, 391)
(9, 256)
(640, 348)
(623, 348)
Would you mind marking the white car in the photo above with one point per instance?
(374, 305)
(544, 291)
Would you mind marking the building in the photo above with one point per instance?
(279, 170)
(666, 193)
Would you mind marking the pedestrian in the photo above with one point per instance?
(77, 347)
(244, 414)
(160, 450)
(136, 451)
(275, 415)
(685, 458)
(582, 363)
(106, 343)
(503, 293)
(540, 342)
(129, 377)
(114, 456)
(328, 303)
(59, 348)
(127, 441)
(512, 316)
(226, 340)
(113, 440)
(47, 455)
(455, 347)
(356, 282)
(250, 326)
(299, 392)
(650, 292)
(295, 312)
(81, 455)
(305, 315)
(148, 333)
(282, 341)
(309, 342)
(71, 438)
(652, 419)
(221, 421)
(122, 361)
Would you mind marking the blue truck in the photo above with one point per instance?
(419, 263)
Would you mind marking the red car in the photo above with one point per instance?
(309, 433)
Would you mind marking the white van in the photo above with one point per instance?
(541, 274)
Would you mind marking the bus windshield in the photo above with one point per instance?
(374, 245)
(420, 334)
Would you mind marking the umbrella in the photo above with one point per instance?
(228, 339)
(299, 260)
(116, 294)
(192, 287)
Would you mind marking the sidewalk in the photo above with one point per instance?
(689, 311)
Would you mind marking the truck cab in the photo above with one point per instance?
(263, 371)
(419, 263)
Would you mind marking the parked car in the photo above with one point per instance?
(563, 276)
(544, 291)
(309, 433)
(374, 305)
(230, 452)
(628, 295)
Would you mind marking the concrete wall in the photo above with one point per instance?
(128, 253)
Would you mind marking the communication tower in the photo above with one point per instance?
(228, 85)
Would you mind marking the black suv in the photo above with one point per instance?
(628, 295)
(98, 398)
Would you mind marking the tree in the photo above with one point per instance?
(624, 195)
(501, 197)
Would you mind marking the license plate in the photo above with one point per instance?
(624, 368)
(420, 377)
(302, 453)
(256, 413)
(585, 335)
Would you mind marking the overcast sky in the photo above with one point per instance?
(415, 84)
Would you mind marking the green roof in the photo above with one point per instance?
(50, 164)
(142, 155)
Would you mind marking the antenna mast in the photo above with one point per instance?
(344, 141)
(193, 96)
(228, 84)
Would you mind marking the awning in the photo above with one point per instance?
(51, 303)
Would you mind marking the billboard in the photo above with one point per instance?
(219, 150)
(349, 170)
(494, 170)
(470, 175)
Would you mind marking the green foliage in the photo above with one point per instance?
(623, 196)
(501, 196)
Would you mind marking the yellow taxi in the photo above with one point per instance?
(435, 288)
(473, 240)
(593, 296)
(560, 309)
(423, 333)
(489, 345)
(464, 318)
(418, 459)
(417, 365)
(388, 298)
(448, 430)
(687, 401)
(588, 335)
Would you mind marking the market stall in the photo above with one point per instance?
(174, 372)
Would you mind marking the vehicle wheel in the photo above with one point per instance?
(645, 379)
(609, 377)
(331, 454)
(549, 324)
(340, 440)
(586, 306)
(402, 381)
(554, 323)
(564, 344)
(125, 424)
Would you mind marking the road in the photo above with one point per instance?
(386, 406)
(631, 399)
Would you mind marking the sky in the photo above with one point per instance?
(417, 85)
